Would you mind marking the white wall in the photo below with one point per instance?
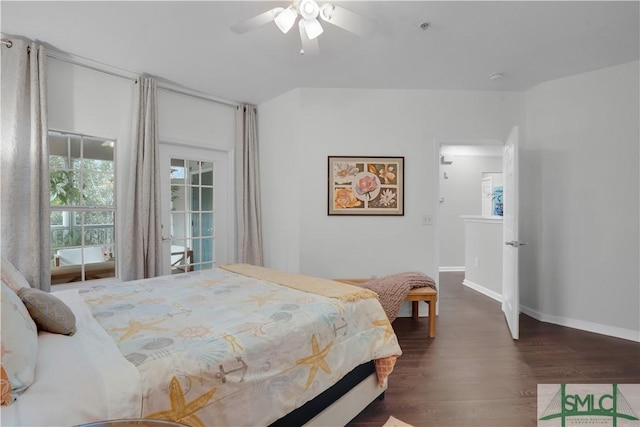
(462, 196)
(299, 130)
(280, 181)
(580, 202)
(194, 121)
(483, 256)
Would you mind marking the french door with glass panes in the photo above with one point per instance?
(195, 205)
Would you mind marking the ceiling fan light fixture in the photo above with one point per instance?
(312, 28)
(308, 14)
(286, 19)
(309, 9)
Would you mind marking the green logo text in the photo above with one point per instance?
(612, 405)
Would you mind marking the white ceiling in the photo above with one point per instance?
(190, 43)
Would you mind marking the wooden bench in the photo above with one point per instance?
(426, 294)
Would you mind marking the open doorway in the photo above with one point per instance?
(469, 180)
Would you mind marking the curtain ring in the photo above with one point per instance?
(7, 43)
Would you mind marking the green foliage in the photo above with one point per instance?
(64, 190)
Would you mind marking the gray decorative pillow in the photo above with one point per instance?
(48, 312)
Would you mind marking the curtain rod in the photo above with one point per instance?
(196, 94)
(130, 75)
(7, 43)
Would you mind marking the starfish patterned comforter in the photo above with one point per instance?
(220, 348)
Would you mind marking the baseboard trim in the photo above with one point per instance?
(479, 288)
(451, 268)
(612, 331)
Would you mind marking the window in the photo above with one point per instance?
(83, 207)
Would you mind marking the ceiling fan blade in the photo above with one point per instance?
(256, 21)
(347, 20)
(309, 46)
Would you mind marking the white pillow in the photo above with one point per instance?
(19, 341)
(12, 276)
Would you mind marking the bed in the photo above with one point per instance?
(239, 345)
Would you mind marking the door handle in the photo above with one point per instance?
(515, 243)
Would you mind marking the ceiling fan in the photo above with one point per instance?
(309, 25)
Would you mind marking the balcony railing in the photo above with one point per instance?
(63, 236)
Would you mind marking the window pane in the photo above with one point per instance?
(58, 149)
(177, 171)
(56, 218)
(206, 225)
(58, 237)
(178, 221)
(98, 189)
(194, 171)
(57, 162)
(195, 198)
(98, 165)
(207, 173)
(195, 225)
(97, 172)
(207, 250)
(99, 228)
(177, 198)
(66, 240)
(99, 153)
(195, 247)
(180, 255)
(74, 144)
(62, 233)
(66, 237)
(99, 218)
(207, 198)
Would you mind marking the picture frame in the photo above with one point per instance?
(360, 185)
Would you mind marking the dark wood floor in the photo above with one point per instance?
(474, 374)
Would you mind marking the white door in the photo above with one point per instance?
(510, 285)
(195, 208)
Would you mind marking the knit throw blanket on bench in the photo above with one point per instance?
(393, 289)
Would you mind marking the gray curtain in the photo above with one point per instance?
(25, 164)
(141, 255)
(248, 187)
